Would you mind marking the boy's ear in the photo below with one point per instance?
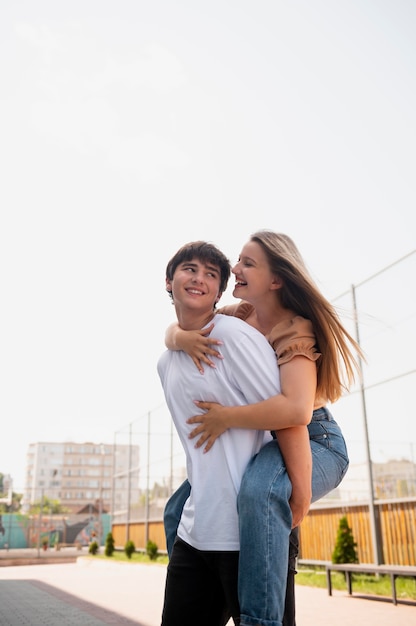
(168, 285)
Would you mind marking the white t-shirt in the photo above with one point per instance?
(247, 374)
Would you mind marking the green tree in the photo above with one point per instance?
(129, 548)
(109, 545)
(9, 506)
(52, 507)
(345, 546)
(152, 550)
(14, 506)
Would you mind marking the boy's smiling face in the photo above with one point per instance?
(195, 287)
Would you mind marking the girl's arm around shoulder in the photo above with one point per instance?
(196, 343)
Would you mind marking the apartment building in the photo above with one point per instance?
(80, 475)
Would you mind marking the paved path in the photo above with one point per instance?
(95, 593)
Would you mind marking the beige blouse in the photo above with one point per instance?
(288, 339)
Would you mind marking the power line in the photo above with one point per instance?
(384, 269)
(381, 382)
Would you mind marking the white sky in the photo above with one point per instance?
(129, 128)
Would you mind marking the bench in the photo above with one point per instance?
(394, 571)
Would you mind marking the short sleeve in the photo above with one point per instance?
(241, 310)
(292, 338)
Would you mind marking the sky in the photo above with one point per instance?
(129, 128)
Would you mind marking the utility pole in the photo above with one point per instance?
(40, 520)
(374, 521)
(100, 502)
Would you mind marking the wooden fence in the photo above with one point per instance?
(395, 525)
(395, 521)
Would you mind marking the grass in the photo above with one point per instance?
(136, 557)
(364, 584)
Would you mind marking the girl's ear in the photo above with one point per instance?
(277, 282)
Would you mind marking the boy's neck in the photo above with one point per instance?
(190, 321)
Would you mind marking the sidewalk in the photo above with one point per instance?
(95, 593)
(34, 556)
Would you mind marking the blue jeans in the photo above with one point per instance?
(266, 519)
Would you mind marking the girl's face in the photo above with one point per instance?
(253, 277)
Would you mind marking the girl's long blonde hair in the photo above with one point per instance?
(299, 293)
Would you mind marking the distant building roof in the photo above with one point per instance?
(91, 509)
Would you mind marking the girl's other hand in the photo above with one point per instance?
(210, 424)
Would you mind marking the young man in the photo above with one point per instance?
(202, 575)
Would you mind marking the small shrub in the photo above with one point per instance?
(129, 548)
(345, 546)
(93, 548)
(152, 550)
(109, 545)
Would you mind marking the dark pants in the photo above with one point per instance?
(201, 587)
(172, 514)
(289, 615)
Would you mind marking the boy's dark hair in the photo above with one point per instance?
(205, 252)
